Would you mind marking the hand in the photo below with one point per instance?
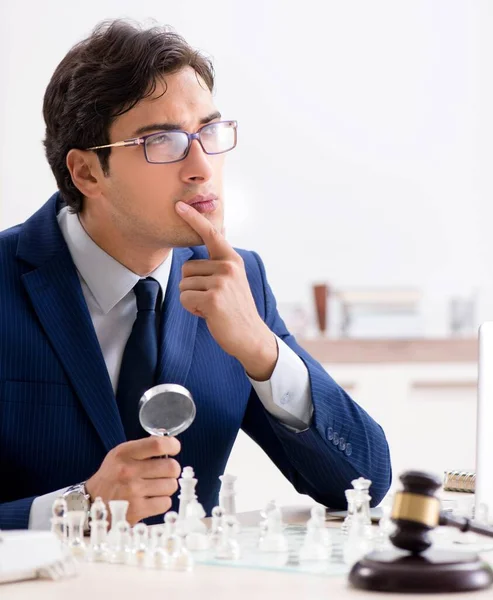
(130, 472)
(218, 290)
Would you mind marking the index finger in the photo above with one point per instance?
(152, 446)
(215, 242)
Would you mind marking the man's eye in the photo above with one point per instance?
(162, 138)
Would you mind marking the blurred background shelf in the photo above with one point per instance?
(434, 350)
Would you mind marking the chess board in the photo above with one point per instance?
(252, 558)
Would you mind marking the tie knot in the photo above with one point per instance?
(146, 292)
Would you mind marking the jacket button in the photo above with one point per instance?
(335, 440)
(342, 444)
(330, 433)
(349, 449)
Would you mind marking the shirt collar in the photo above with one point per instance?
(108, 280)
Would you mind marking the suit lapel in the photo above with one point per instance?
(56, 295)
(178, 327)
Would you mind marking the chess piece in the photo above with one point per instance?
(227, 547)
(75, 520)
(196, 529)
(227, 494)
(274, 539)
(121, 550)
(416, 512)
(98, 548)
(359, 541)
(140, 544)
(350, 497)
(386, 526)
(58, 524)
(316, 543)
(362, 487)
(216, 529)
(158, 554)
(118, 510)
(187, 484)
(180, 558)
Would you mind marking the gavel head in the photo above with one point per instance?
(416, 511)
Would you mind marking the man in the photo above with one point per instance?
(123, 280)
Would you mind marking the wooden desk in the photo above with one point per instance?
(115, 582)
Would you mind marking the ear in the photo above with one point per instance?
(85, 171)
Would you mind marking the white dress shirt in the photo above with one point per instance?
(107, 286)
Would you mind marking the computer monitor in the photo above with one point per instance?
(484, 428)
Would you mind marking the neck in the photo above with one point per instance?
(139, 259)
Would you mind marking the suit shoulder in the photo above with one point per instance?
(8, 241)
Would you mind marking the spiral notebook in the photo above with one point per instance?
(459, 481)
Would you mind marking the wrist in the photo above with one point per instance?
(261, 357)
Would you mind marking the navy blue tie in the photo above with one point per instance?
(140, 357)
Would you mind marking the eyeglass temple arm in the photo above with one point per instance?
(134, 142)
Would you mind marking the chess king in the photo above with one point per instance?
(124, 280)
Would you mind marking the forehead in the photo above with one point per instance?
(182, 98)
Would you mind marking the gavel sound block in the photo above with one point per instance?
(414, 567)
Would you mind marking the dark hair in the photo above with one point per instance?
(103, 77)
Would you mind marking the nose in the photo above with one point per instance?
(196, 167)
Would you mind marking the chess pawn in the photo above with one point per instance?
(263, 525)
(172, 524)
(180, 558)
(227, 547)
(58, 525)
(139, 546)
(216, 529)
(99, 527)
(316, 544)
(196, 529)
(187, 483)
(158, 556)
(75, 520)
(227, 494)
(274, 539)
(118, 510)
(121, 550)
(350, 497)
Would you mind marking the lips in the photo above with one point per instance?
(204, 204)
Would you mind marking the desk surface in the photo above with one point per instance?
(120, 582)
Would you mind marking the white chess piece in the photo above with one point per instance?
(227, 494)
(227, 547)
(216, 529)
(118, 510)
(98, 551)
(140, 537)
(386, 526)
(316, 544)
(121, 549)
(187, 484)
(196, 529)
(350, 496)
(274, 539)
(362, 487)
(157, 554)
(180, 558)
(75, 520)
(58, 524)
(360, 538)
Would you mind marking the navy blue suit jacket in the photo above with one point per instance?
(58, 414)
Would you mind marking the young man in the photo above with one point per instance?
(123, 280)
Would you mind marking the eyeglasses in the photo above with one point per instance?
(172, 146)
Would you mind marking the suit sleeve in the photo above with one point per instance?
(15, 514)
(342, 443)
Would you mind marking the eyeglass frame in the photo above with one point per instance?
(141, 141)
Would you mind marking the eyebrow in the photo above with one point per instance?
(173, 126)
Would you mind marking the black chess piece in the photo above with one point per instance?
(414, 566)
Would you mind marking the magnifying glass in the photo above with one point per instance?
(166, 410)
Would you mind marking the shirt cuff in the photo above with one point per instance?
(40, 515)
(287, 394)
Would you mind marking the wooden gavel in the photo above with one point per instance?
(416, 511)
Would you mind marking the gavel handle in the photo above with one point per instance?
(465, 524)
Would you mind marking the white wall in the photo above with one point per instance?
(378, 115)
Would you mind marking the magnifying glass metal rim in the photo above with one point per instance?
(168, 387)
